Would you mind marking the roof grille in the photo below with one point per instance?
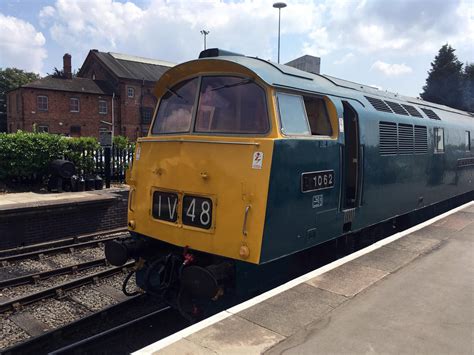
(397, 108)
(405, 139)
(421, 140)
(412, 110)
(378, 104)
(388, 138)
(430, 113)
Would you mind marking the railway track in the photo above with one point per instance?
(70, 244)
(60, 289)
(117, 329)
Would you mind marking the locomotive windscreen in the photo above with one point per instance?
(229, 105)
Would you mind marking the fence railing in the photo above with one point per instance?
(94, 162)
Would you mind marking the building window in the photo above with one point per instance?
(468, 140)
(439, 140)
(42, 128)
(130, 92)
(75, 131)
(102, 107)
(74, 104)
(42, 102)
(147, 112)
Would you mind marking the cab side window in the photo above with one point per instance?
(303, 115)
(439, 140)
(317, 116)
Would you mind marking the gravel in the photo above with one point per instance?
(55, 313)
(11, 333)
(91, 298)
(19, 291)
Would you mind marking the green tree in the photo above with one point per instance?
(11, 78)
(444, 84)
(468, 87)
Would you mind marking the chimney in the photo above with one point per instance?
(67, 66)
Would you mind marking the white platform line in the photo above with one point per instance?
(290, 284)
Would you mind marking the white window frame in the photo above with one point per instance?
(78, 104)
(104, 102)
(130, 92)
(38, 103)
(42, 128)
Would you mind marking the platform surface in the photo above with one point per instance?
(14, 201)
(414, 295)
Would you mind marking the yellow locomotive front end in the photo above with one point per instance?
(200, 178)
(199, 183)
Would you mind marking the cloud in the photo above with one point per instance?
(391, 69)
(345, 58)
(21, 45)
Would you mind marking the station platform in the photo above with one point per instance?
(410, 293)
(29, 218)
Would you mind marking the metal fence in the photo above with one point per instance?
(120, 160)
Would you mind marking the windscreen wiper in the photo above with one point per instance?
(243, 82)
(176, 94)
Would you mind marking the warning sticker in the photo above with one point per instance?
(257, 160)
(341, 125)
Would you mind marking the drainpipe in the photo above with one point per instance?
(113, 118)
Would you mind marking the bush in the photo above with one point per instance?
(26, 156)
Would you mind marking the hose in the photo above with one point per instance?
(124, 285)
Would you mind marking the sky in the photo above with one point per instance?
(388, 44)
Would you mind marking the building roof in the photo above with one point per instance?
(130, 67)
(81, 85)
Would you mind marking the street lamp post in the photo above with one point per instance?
(204, 33)
(279, 6)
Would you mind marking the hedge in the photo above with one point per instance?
(26, 156)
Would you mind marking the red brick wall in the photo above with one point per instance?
(59, 117)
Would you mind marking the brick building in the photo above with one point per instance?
(108, 83)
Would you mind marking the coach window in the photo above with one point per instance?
(42, 103)
(318, 117)
(231, 105)
(74, 104)
(176, 107)
(439, 140)
(468, 140)
(292, 115)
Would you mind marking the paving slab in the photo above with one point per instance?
(434, 232)
(348, 279)
(234, 335)
(287, 312)
(425, 308)
(414, 243)
(185, 347)
(455, 221)
(386, 259)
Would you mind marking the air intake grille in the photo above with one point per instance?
(388, 138)
(421, 140)
(431, 114)
(397, 108)
(412, 110)
(378, 104)
(405, 139)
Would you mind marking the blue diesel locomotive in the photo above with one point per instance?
(248, 163)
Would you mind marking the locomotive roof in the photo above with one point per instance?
(284, 76)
